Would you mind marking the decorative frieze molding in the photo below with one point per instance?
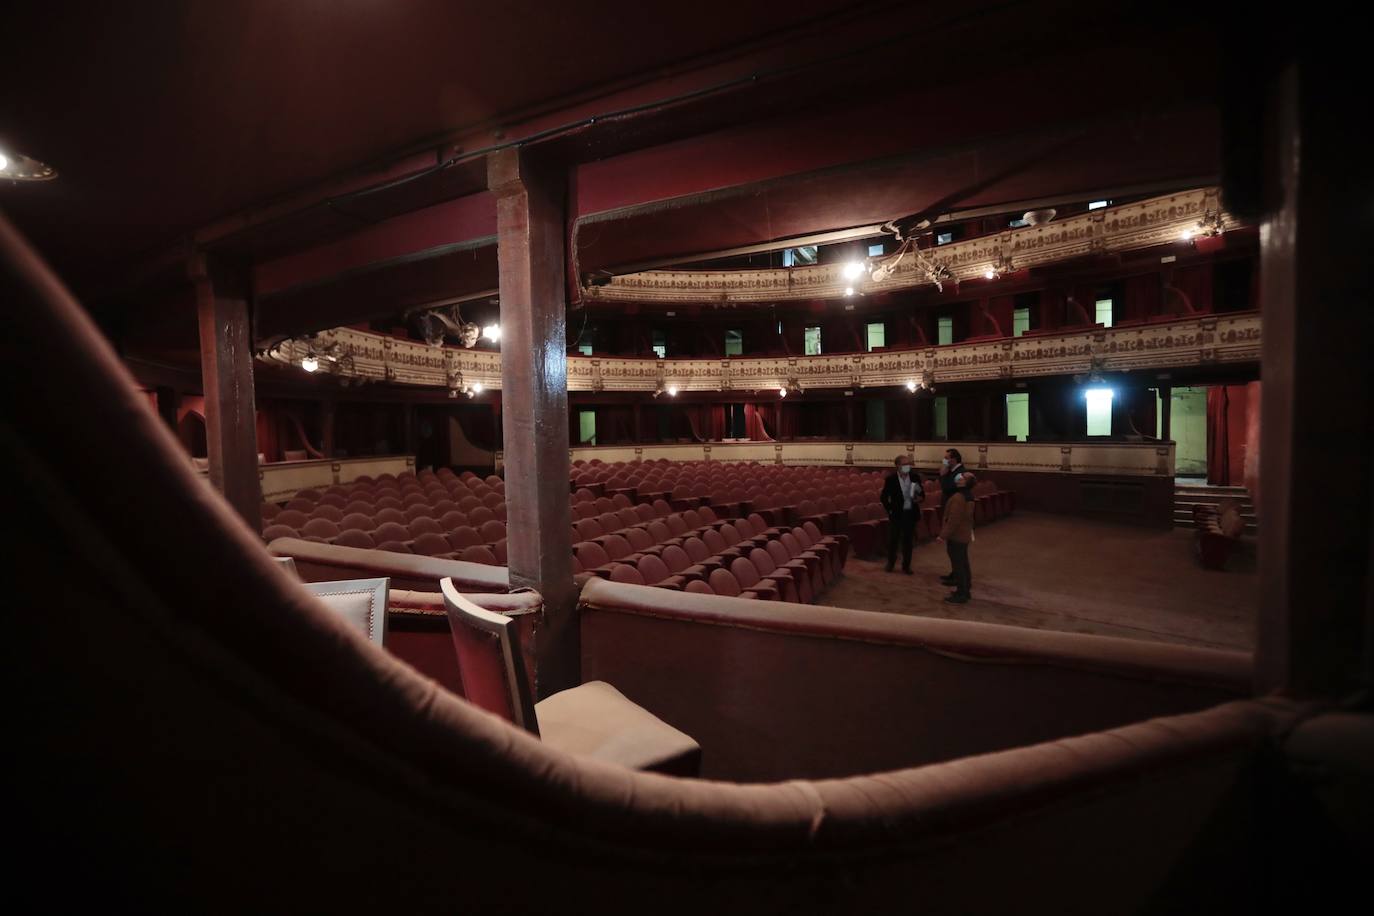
(1139, 225)
(1193, 341)
(1134, 459)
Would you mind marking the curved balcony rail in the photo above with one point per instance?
(1199, 340)
(1139, 225)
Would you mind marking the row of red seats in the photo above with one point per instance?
(764, 561)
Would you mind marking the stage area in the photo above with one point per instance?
(1055, 572)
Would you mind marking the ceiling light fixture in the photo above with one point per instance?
(911, 386)
(492, 332)
(310, 364)
(17, 167)
(849, 290)
(853, 270)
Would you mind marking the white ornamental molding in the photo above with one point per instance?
(1161, 344)
(1139, 225)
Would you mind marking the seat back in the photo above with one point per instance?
(490, 663)
(361, 602)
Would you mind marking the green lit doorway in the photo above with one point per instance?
(1187, 427)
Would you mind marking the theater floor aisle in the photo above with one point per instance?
(1076, 575)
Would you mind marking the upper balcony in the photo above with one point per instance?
(1192, 341)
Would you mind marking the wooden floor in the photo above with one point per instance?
(1056, 572)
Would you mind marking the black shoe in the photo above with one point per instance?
(949, 580)
(956, 598)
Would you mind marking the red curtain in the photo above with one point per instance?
(707, 421)
(755, 426)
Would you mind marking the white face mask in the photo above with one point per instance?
(904, 468)
(945, 462)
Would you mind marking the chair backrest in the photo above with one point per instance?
(361, 602)
(490, 663)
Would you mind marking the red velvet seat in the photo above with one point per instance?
(352, 537)
(478, 554)
(424, 525)
(480, 514)
(431, 544)
(390, 531)
(465, 536)
(333, 513)
(320, 528)
(293, 518)
(274, 531)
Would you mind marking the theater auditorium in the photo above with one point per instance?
(609, 458)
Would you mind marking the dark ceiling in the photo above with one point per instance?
(162, 116)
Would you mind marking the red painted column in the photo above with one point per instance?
(530, 208)
(226, 366)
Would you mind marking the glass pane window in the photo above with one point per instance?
(1018, 416)
(944, 331)
(877, 335)
(1020, 322)
(1104, 312)
(813, 341)
(586, 427)
(734, 343)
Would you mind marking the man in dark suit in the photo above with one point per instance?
(950, 469)
(901, 497)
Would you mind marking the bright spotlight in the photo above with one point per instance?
(990, 274)
(310, 364)
(478, 387)
(910, 386)
(4, 162)
(1187, 234)
(849, 290)
(782, 392)
(672, 391)
(492, 332)
(853, 270)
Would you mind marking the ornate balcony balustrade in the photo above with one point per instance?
(1130, 226)
(1190, 341)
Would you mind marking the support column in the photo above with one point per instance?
(530, 215)
(327, 428)
(1166, 412)
(226, 365)
(1314, 517)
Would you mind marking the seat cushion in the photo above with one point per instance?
(596, 720)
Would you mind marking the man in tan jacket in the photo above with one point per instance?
(957, 533)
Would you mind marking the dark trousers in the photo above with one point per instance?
(958, 561)
(902, 528)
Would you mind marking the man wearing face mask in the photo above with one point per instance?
(950, 468)
(901, 497)
(957, 533)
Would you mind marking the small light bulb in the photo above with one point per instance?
(310, 364)
(910, 386)
(1187, 234)
(4, 162)
(853, 270)
(478, 388)
(990, 273)
(672, 391)
(849, 290)
(492, 332)
(782, 392)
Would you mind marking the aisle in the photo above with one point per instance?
(1076, 575)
